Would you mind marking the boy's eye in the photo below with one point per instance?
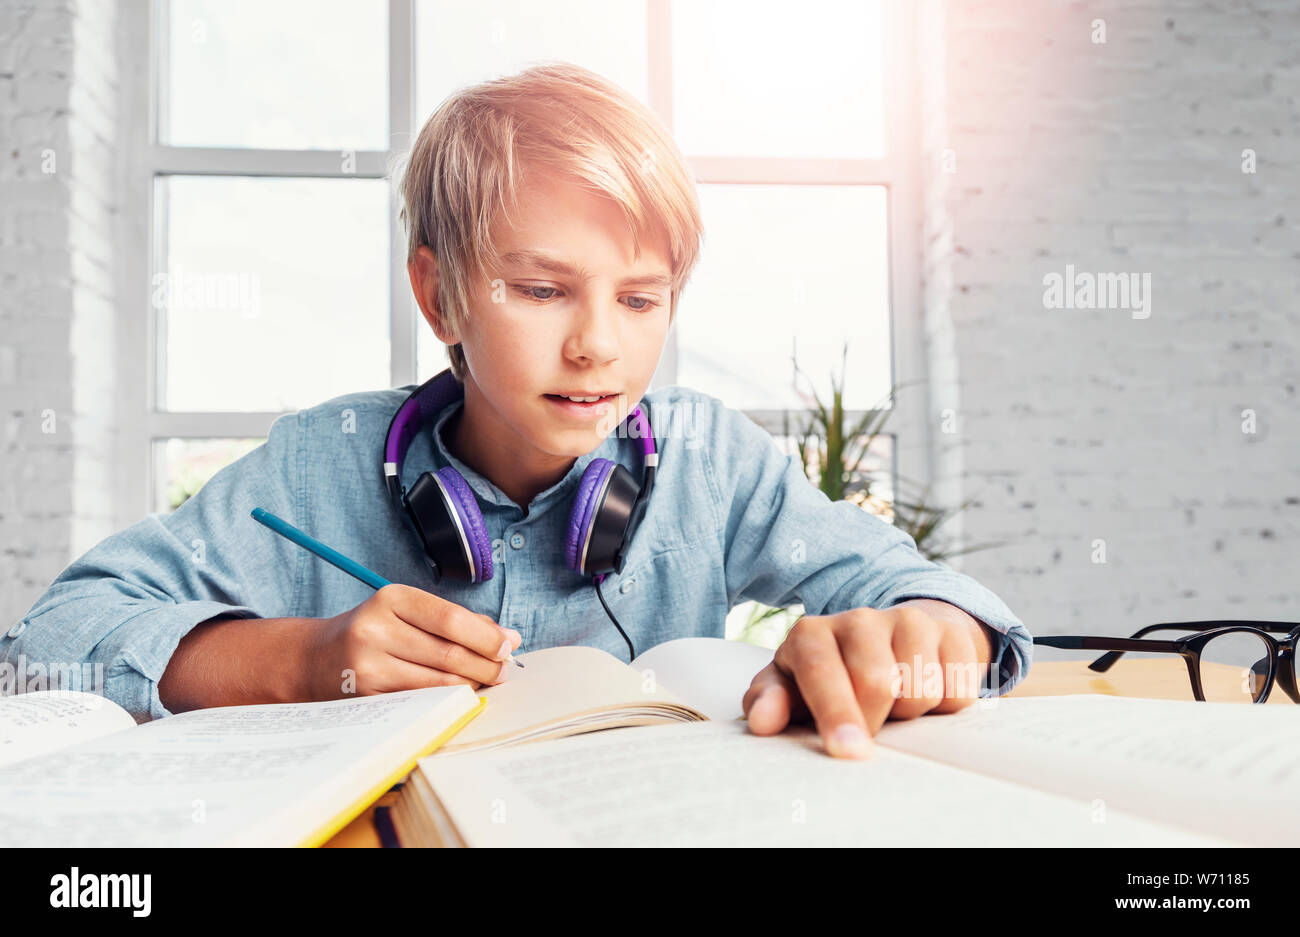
(635, 303)
(530, 291)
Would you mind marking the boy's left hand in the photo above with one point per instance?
(853, 670)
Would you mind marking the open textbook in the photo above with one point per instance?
(1073, 770)
(75, 769)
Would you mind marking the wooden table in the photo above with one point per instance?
(1159, 679)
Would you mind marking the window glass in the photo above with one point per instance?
(788, 271)
(461, 43)
(274, 294)
(776, 79)
(293, 74)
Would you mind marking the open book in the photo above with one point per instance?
(75, 769)
(565, 691)
(1058, 770)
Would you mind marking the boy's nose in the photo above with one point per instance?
(594, 336)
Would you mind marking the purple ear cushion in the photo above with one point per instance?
(584, 507)
(471, 519)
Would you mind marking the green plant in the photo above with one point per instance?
(839, 450)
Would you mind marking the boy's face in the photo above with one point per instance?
(572, 312)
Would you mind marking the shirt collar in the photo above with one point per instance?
(494, 495)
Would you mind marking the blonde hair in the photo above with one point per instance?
(469, 159)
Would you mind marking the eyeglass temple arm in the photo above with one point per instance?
(1106, 661)
(1116, 646)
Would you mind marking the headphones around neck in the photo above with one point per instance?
(606, 511)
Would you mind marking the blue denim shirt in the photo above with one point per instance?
(731, 518)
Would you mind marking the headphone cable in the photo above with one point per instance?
(631, 652)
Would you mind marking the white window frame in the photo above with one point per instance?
(142, 237)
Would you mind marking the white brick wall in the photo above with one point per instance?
(57, 191)
(1083, 425)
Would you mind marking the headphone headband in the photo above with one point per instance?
(428, 400)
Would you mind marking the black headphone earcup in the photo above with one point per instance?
(598, 523)
(449, 523)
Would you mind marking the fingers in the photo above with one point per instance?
(406, 675)
(455, 623)
(430, 651)
(963, 672)
(857, 669)
(865, 644)
(811, 654)
(772, 702)
(915, 642)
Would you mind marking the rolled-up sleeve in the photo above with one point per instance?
(125, 605)
(786, 542)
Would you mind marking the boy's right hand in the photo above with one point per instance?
(403, 638)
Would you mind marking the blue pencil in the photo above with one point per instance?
(329, 555)
(352, 567)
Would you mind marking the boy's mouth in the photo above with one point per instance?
(582, 404)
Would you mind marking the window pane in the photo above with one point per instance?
(770, 79)
(788, 269)
(294, 74)
(460, 43)
(275, 295)
(183, 466)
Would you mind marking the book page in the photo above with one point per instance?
(236, 775)
(441, 831)
(33, 724)
(555, 685)
(715, 784)
(709, 674)
(1228, 769)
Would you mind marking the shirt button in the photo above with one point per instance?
(516, 540)
(626, 585)
(17, 629)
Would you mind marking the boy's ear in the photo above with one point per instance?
(423, 271)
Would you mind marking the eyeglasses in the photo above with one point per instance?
(1228, 661)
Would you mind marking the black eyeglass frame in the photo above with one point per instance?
(1282, 652)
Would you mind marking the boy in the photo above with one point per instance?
(552, 225)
